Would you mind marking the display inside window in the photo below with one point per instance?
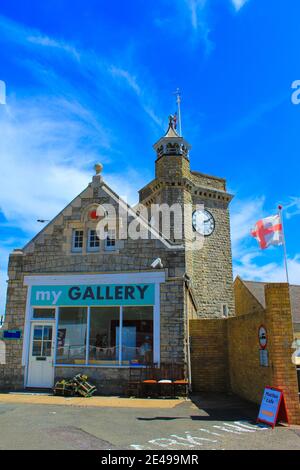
(77, 240)
(93, 242)
(137, 335)
(113, 339)
(71, 335)
(104, 344)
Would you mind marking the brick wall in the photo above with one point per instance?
(209, 355)
(225, 352)
(247, 377)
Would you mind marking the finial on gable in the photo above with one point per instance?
(97, 178)
(98, 168)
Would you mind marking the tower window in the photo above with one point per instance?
(77, 240)
(93, 241)
(225, 310)
(110, 241)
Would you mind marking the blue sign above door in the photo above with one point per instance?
(93, 295)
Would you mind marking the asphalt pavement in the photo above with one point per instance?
(213, 422)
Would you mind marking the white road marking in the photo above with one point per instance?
(210, 432)
(256, 427)
(222, 428)
(191, 441)
(239, 428)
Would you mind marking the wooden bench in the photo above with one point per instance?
(166, 380)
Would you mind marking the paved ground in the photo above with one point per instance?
(203, 423)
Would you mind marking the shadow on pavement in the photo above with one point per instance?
(213, 407)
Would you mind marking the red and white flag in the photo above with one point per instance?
(268, 231)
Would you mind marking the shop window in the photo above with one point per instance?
(115, 338)
(71, 335)
(104, 340)
(137, 335)
(77, 240)
(93, 241)
(44, 313)
(110, 241)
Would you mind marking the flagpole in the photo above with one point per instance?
(178, 100)
(284, 244)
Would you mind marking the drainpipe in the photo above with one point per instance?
(188, 346)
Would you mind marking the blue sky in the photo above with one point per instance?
(92, 81)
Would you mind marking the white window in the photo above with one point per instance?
(110, 241)
(93, 241)
(225, 310)
(77, 240)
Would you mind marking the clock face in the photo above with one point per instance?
(203, 222)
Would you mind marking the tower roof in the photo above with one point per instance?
(172, 143)
(171, 132)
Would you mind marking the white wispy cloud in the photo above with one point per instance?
(238, 4)
(292, 207)
(52, 135)
(198, 15)
(193, 20)
(145, 101)
(249, 261)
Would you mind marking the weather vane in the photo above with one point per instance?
(178, 101)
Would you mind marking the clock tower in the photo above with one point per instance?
(209, 268)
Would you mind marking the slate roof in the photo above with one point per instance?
(257, 289)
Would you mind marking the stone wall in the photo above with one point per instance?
(109, 381)
(50, 253)
(210, 268)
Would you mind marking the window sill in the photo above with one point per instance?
(99, 366)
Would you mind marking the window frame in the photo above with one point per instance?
(74, 248)
(33, 318)
(87, 343)
(108, 240)
(92, 249)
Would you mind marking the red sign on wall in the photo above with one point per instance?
(262, 337)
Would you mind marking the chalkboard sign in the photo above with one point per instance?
(272, 408)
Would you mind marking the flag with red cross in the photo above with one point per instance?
(268, 231)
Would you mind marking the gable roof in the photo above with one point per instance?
(134, 212)
(257, 289)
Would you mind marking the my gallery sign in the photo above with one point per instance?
(93, 295)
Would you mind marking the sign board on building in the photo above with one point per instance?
(12, 334)
(262, 337)
(89, 295)
(272, 408)
(263, 357)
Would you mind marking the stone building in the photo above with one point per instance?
(83, 304)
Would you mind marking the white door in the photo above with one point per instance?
(40, 366)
